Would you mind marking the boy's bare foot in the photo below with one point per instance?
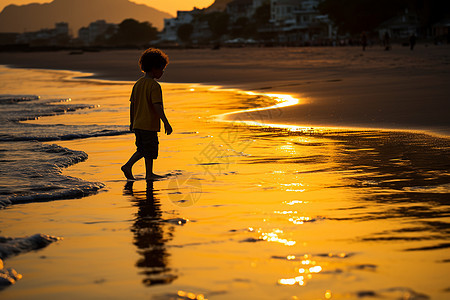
(154, 177)
(127, 172)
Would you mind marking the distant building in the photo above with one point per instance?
(98, 29)
(299, 22)
(240, 9)
(282, 11)
(170, 31)
(61, 28)
(8, 38)
(441, 31)
(49, 37)
(259, 3)
(401, 26)
(294, 22)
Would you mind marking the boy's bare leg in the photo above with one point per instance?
(126, 168)
(149, 170)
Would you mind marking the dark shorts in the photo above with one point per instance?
(147, 143)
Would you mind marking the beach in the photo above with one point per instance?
(339, 191)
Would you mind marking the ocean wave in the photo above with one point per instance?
(31, 172)
(81, 190)
(15, 110)
(14, 246)
(49, 133)
(10, 99)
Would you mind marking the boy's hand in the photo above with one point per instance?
(168, 128)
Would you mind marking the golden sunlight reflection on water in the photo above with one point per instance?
(189, 295)
(307, 268)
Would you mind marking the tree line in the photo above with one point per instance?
(128, 32)
(220, 24)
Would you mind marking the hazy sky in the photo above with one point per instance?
(170, 6)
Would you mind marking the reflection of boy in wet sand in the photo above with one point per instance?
(146, 111)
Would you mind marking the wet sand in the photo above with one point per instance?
(343, 87)
(250, 212)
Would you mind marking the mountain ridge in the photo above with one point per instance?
(78, 13)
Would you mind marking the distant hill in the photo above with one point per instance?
(218, 5)
(77, 13)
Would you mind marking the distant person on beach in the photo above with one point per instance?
(363, 41)
(387, 41)
(146, 111)
(412, 41)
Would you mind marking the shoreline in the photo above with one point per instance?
(272, 102)
(342, 87)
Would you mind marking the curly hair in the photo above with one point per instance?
(153, 58)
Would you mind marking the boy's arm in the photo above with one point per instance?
(131, 115)
(160, 112)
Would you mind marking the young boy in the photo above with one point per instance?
(146, 111)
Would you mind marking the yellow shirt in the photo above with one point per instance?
(146, 92)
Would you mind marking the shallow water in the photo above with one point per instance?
(250, 212)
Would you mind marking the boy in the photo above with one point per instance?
(146, 111)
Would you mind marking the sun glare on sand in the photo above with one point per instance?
(264, 113)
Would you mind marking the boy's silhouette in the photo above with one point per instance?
(146, 111)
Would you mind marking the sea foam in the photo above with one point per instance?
(30, 171)
(14, 246)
